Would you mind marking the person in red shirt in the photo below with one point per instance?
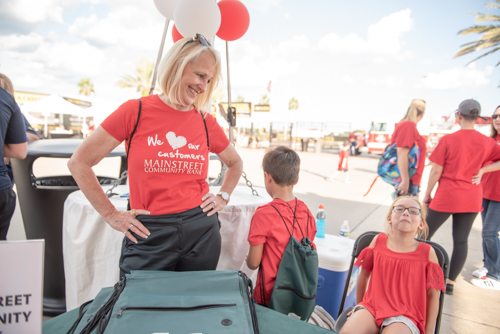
(173, 224)
(402, 274)
(406, 135)
(456, 165)
(268, 235)
(343, 165)
(488, 277)
(353, 139)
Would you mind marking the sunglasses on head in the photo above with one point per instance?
(495, 116)
(200, 38)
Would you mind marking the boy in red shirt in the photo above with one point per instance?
(268, 235)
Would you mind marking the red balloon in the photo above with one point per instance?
(176, 34)
(234, 20)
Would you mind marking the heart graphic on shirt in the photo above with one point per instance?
(174, 141)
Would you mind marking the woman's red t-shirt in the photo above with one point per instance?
(406, 135)
(399, 281)
(461, 154)
(168, 158)
(491, 181)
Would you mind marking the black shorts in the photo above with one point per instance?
(185, 241)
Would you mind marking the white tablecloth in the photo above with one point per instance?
(92, 248)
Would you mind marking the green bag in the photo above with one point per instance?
(297, 279)
(173, 302)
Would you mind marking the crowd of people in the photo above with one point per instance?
(172, 219)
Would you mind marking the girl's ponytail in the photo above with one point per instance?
(416, 108)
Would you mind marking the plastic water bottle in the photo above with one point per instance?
(320, 222)
(345, 230)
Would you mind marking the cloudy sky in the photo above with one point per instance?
(344, 61)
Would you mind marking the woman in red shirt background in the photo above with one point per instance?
(405, 136)
(456, 165)
(489, 275)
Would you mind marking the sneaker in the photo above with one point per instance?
(449, 289)
(480, 272)
(486, 283)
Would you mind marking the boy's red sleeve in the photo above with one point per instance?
(258, 228)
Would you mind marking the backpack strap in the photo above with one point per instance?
(295, 218)
(130, 141)
(206, 130)
(135, 128)
(291, 234)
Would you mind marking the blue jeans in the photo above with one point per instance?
(491, 243)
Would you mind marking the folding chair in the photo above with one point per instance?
(364, 241)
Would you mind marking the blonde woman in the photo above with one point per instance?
(173, 223)
(405, 136)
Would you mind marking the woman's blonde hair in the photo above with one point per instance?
(172, 66)
(6, 84)
(424, 232)
(416, 108)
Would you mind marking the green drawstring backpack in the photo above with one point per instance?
(297, 279)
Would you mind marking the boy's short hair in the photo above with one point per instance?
(347, 143)
(283, 164)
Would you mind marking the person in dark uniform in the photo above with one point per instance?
(14, 143)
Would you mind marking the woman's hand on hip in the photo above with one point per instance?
(212, 204)
(125, 222)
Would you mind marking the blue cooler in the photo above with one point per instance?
(334, 253)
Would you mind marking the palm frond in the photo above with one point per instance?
(465, 51)
(484, 55)
(486, 17)
(476, 29)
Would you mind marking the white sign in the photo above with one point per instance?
(21, 286)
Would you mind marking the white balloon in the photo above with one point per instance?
(166, 7)
(197, 16)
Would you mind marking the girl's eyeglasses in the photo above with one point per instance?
(200, 38)
(495, 116)
(401, 209)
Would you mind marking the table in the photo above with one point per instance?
(91, 248)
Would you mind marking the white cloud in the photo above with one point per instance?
(383, 38)
(126, 26)
(21, 43)
(457, 78)
(390, 81)
(291, 46)
(31, 12)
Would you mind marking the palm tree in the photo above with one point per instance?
(293, 104)
(141, 78)
(240, 99)
(490, 34)
(86, 87)
(264, 100)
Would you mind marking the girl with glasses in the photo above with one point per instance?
(488, 277)
(173, 222)
(400, 278)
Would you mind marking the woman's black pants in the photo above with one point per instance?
(462, 225)
(185, 241)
